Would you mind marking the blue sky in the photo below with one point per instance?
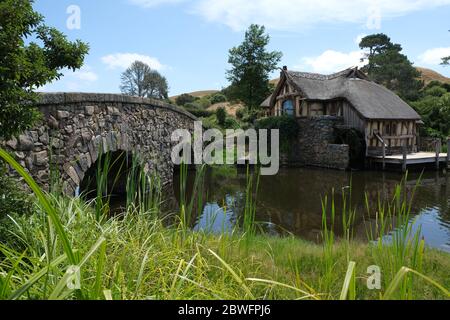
(188, 40)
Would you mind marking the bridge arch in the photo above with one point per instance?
(77, 127)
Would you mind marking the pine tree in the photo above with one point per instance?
(251, 67)
(389, 67)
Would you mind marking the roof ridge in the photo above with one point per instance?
(318, 76)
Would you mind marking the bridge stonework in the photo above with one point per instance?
(77, 127)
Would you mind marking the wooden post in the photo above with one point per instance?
(405, 156)
(448, 152)
(438, 152)
(384, 156)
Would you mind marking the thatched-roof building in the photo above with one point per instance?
(378, 113)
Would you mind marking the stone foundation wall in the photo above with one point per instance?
(76, 128)
(316, 146)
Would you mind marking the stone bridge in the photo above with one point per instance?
(77, 127)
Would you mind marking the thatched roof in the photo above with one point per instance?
(371, 101)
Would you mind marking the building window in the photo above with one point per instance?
(288, 108)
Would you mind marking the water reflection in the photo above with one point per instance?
(292, 200)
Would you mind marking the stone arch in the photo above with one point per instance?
(76, 127)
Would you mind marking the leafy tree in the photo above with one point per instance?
(184, 98)
(25, 65)
(197, 111)
(203, 102)
(288, 126)
(434, 107)
(218, 98)
(251, 66)
(142, 81)
(389, 67)
(221, 116)
(158, 87)
(240, 114)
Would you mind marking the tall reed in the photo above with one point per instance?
(143, 190)
(250, 205)
(395, 243)
(105, 165)
(328, 240)
(191, 207)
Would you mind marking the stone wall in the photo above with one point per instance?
(316, 146)
(75, 127)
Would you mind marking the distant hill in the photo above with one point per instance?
(429, 75)
(274, 82)
(197, 94)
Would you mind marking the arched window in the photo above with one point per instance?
(288, 108)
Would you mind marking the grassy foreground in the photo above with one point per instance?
(135, 256)
(142, 259)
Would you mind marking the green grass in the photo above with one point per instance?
(141, 259)
(138, 257)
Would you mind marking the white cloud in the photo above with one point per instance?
(78, 80)
(331, 61)
(300, 14)
(154, 3)
(434, 56)
(124, 60)
(84, 74)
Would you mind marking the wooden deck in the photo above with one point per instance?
(419, 158)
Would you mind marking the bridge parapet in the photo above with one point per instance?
(77, 127)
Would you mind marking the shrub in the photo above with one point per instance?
(13, 200)
(197, 111)
(287, 125)
(210, 123)
(435, 91)
(203, 103)
(218, 98)
(184, 99)
(250, 116)
(240, 114)
(221, 116)
(191, 105)
(231, 123)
